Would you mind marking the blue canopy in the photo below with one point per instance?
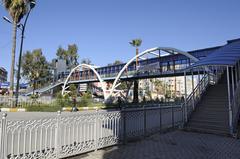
(228, 55)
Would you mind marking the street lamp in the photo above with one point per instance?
(22, 28)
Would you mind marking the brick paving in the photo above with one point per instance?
(172, 145)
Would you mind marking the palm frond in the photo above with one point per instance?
(136, 42)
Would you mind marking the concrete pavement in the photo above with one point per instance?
(173, 145)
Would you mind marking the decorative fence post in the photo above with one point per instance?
(3, 136)
(96, 129)
(124, 126)
(160, 118)
(172, 116)
(58, 136)
(144, 121)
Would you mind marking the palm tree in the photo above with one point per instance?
(136, 43)
(17, 9)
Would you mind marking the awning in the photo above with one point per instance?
(228, 55)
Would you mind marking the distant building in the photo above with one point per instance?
(3, 75)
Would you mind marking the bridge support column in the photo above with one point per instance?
(229, 102)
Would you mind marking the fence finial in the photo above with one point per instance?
(59, 112)
(4, 115)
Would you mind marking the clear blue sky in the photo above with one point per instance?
(103, 28)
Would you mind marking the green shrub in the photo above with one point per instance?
(86, 100)
(43, 108)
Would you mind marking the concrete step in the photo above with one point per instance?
(209, 131)
(211, 113)
(211, 118)
(208, 126)
(212, 108)
(210, 122)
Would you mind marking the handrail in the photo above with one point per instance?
(199, 90)
(196, 88)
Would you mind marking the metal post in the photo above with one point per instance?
(185, 98)
(239, 70)
(229, 102)
(172, 116)
(199, 87)
(236, 75)
(233, 85)
(96, 130)
(124, 126)
(159, 61)
(20, 53)
(193, 104)
(3, 136)
(58, 136)
(160, 118)
(145, 121)
(204, 74)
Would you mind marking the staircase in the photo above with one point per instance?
(211, 113)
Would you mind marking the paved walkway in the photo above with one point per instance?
(173, 145)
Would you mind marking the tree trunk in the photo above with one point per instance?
(137, 57)
(135, 85)
(135, 92)
(14, 32)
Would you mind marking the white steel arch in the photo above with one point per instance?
(95, 72)
(149, 51)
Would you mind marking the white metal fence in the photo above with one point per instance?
(64, 136)
(9, 102)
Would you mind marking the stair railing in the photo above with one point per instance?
(190, 102)
(194, 97)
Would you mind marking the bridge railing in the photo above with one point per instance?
(67, 135)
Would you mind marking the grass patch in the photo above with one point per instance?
(43, 108)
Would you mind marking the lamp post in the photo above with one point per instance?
(22, 28)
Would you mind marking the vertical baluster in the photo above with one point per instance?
(46, 138)
(24, 141)
(58, 136)
(50, 139)
(41, 139)
(77, 137)
(95, 130)
(30, 141)
(18, 141)
(73, 136)
(12, 143)
(3, 144)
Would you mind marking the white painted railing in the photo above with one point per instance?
(9, 102)
(64, 136)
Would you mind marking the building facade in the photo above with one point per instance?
(3, 75)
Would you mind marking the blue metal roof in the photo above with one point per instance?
(228, 55)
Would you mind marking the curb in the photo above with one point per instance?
(13, 110)
(69, 109)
